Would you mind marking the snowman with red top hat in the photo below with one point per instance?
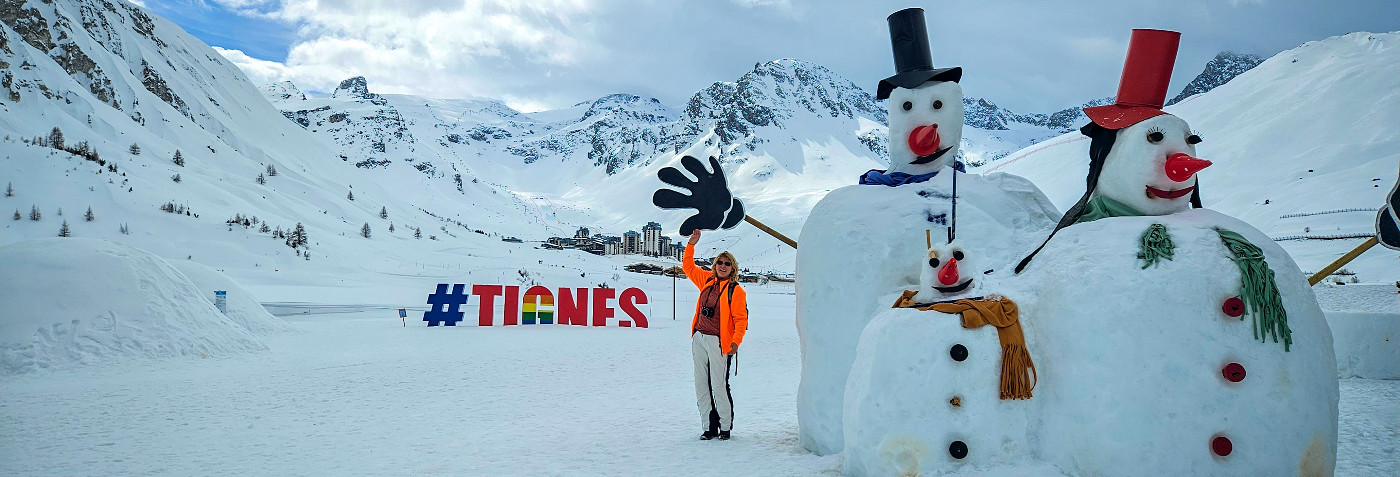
(1170, 339)
(864, 244)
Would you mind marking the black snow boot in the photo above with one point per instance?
(709, 435)
(724, 435)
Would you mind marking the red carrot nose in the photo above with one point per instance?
(1181, 166)
(949, 274)
(924, 140)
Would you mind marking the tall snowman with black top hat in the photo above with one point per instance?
(862, 243)
(1170, 339)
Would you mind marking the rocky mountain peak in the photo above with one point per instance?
(353, 88)
(283, 91)
(1220, 70)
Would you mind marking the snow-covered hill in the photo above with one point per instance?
(1304, 147)
(128, 91)
(113, 76)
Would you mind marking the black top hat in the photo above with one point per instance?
(912, 60)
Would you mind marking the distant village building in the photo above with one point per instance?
(631, 242)
(651, 239)
(648, 242)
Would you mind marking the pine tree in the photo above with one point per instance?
(88, 216)
(391, 227)
(298, 237)
(17, 216)
(364, 231)
(264, 228)
(271, 170)
(63, 231)
(124, 229)
(175, 177)
(56, 138)
(417, 233)
(34, 213)
(383, 214)
(179, 160)
(9, 189)
(260, 180)
(135, 149)
(351, 195)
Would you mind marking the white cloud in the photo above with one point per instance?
(431, 47)
(260, 72)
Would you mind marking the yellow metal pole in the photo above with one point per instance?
(770, 231)
(1327, 270)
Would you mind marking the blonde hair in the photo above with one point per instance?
(733, 266)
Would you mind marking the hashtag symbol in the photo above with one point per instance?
(454, 300)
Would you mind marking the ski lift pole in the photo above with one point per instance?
(774, 233)
(1338, 263)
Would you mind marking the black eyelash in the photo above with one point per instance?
(1155, 129)
(1197, 134)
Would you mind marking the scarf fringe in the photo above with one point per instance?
(1018, 375)
(1258, 290)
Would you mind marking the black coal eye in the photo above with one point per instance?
(908, 105)
(937, 104)
(1155, 137)
(933, 262)
(957, 255)
(1193, 139)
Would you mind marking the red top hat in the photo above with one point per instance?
(1143, 87)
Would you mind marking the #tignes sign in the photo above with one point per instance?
(537, 305)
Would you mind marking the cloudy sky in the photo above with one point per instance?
(1027, 55)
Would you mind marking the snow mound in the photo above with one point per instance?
(74, 301)
(241, 306)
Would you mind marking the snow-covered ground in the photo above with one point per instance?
(355, 392)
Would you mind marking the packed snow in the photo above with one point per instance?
(114, 358)
(72, 301)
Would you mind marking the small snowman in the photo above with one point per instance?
(855, 242)
(941, 278)
(941, 381)
(1172, 339)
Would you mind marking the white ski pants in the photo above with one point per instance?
(712, 382)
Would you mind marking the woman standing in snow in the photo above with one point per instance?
(721, 318)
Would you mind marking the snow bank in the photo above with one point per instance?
(74, 301)
(242, 307)
(1367, 344)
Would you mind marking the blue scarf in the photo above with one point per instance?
(879, 177)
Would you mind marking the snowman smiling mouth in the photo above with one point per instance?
(955, 288)
(1155, 193)
(931, 157)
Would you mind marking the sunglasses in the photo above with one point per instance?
(725, 263)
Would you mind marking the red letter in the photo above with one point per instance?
(573, 311)
(601, 310)
(626, 302)
(488, 295)
(512, 308)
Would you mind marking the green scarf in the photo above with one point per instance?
(1100, 207)
(1258, 289)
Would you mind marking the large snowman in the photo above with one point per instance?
(858, 239)
(1170, 340)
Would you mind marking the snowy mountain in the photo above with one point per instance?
(111, 75)
(100, 97)
(1220, 70)
(1303, 144)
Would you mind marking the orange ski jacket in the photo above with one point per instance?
(733, 310)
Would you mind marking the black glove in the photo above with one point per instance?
(709, 196)
(1388, 220)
